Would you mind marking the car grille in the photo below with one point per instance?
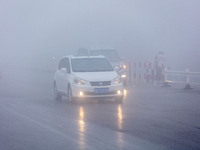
(100, 83)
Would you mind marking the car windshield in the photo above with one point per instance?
(91, 65)
(112, 55)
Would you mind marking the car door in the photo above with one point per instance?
(59, 76)
(65, 75)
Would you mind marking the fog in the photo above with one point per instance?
(34, 31)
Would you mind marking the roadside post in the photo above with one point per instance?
(187, 86)
(166, 83)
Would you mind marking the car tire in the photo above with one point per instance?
(70, 98)
(118, 100)
(57, 95)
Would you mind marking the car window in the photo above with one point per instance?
(91, 65)
(64, 63)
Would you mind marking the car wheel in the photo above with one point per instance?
(57, 95)
(69, 95)
(118, 99)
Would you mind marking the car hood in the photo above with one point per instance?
(97, 76)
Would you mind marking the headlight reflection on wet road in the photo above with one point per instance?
(125, 92)
(81, 124)
(120, 117)
(120, 125)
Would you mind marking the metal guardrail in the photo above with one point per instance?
(187, 77)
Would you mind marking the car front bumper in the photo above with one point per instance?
(111, 91)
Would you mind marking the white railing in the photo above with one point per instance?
(187, 77)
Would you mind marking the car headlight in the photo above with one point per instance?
(124, 66)
(117, 80)
(79, 81)
(123, 76)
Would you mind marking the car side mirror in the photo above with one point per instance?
(63, 70)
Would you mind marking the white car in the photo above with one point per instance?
(80, 77)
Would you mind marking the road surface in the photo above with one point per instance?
(150, 118)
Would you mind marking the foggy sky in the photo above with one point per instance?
(35, 30)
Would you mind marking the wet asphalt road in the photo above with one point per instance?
(150, 117)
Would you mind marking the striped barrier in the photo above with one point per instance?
(145, 72)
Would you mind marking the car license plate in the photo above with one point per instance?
(101, 90)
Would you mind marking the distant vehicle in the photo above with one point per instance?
(119, 64)
(80, 77)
